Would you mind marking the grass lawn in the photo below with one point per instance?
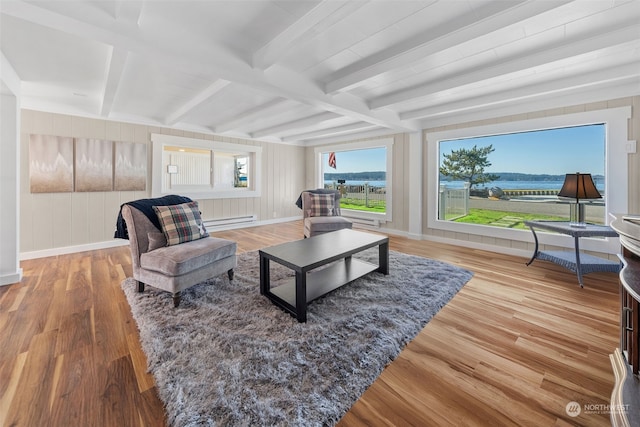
(379, 208)
(503, 218)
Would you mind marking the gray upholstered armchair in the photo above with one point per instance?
(176, 267)
(321, 213)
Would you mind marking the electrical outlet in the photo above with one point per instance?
(275, 214)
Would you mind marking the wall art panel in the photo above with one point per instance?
(50, 164)
(130, 166)
(94, 164)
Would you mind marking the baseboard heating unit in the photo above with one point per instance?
(367, 222)
(221, 222)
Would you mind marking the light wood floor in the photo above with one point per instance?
(513, 347)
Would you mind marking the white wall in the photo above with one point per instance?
(10, 271)
(65, 222)
(87, 220)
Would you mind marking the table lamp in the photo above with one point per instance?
(578, 186)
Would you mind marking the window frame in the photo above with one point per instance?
(159, 141)
(616, 173)
(360, 145)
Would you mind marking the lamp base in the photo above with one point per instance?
(576, 216)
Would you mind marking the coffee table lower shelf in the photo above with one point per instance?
(321, 264)
(321, 282)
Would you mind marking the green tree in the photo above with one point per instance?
(468, 164)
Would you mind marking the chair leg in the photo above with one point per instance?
(230, 273)
(140, 286)
(176, 299)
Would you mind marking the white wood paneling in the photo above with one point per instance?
(50, 221)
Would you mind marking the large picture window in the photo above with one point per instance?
(503, 180)
(513, 155)
(362, 174)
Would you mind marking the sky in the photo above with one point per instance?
(367, 160)
(553, 151)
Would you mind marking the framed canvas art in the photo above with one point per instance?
(130, 166)
(50, 164)
(94, 164)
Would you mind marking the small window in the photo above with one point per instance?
(362, 173)
(241, 174)
(204, 169)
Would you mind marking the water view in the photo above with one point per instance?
(523, 185)
(328, 182)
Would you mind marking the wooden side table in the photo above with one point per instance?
(579, 263)
(625, 397)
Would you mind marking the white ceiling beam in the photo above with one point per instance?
(128, 11)
(273, 107)
(299, 88)
(475, 24)
(580, 96)
(202, 97)
(213, 60)
(127, 37)
(555, 88)
(114, 74)
(333, 131)
(296, 124)
(347, 137)
(304, 29)
(526, 60)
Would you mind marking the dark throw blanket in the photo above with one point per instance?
(146, 207)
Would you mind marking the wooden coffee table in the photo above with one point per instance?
(304, 256)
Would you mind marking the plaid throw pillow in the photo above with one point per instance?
(181, 223)
(321, 205)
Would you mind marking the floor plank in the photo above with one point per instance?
(513, 347)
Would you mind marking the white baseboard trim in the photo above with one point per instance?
(10, 279)
(122, 242)
(219, 223)
(72, 249)
(482, 246)
(277, 221)
(414, 236)
(385, 230)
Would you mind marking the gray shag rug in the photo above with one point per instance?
(227, 356)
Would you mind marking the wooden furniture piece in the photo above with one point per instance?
(305, 256)
(625, 397)
(576, 261)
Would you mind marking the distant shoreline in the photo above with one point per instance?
(520, 185)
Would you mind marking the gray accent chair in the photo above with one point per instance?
(314, 225)
(178, 267)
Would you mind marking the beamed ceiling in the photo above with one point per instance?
(312, 72)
